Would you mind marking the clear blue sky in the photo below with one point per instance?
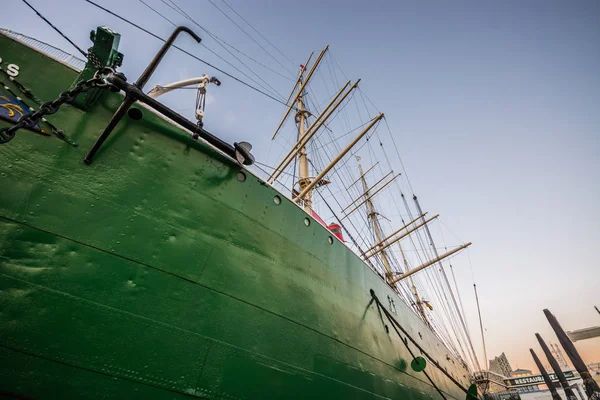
(494, 105)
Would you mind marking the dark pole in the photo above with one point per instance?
(597, 309)
(591, 386)
(161, 53)
(547, 380)
(129, 100)
(576, 386)
(557, 371)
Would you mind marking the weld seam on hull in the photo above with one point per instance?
(95, 371)
(214, 341)
(206, 287)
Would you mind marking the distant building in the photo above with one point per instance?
(491, 382)
(499, 370)
(520, 372)
(501, 366)
(524, 372)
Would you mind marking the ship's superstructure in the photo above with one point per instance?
(141, 256)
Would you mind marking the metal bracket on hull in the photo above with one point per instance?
(133, 93)
(103, 53)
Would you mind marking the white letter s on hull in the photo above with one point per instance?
(12, 70)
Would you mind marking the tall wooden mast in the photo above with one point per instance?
(418, 300)
(307, 183)
(375, 222)
(304, 178)
(381, 240)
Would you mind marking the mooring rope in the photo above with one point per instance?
(379, 307)
(433, 361)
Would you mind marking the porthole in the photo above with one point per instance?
(277, 200)
(240, 176)
(330, 240)
(135, 114)
(306, 222)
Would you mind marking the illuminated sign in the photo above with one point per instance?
(538, 379)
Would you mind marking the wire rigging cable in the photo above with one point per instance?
(187, 53)
(56, 29)
(210, 50)
(453, 315)
(260, 34)
(414, 342)
(159, 13)
(218, 40)
(247, 34)
(393, 323)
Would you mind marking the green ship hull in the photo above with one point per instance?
(159, 272)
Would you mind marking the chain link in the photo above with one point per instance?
(51, 107)
(58, 132)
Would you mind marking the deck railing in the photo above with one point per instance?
(49, 50)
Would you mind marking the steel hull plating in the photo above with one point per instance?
(156, 273)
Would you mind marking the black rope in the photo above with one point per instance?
(185, 52)
(434, 362)
(379, 308)
(56, 29)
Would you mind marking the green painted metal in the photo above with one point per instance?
(156, 273)
(105, 51)
(418, 364)
(472, 392)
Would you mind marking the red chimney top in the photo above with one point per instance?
(336, 230)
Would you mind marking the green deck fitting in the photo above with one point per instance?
(105, 49)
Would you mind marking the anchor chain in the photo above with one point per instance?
(51, 107)
(55, 130)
